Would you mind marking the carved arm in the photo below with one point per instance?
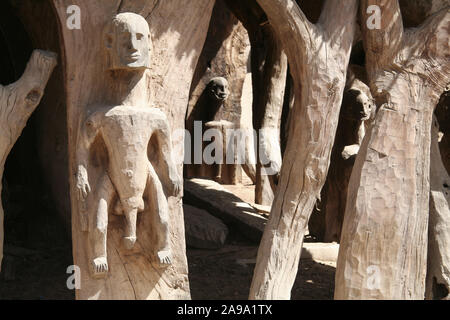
(89, 130)
(166, 163)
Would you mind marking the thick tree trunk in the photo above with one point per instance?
(318, 56)
(438, 273)
(384, 238)
(178, 30)
(17, 103)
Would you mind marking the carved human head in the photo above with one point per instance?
(219, 88)
(128, 42)
(358, 103)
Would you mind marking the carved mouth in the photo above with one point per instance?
(134, 57)
(221, 96)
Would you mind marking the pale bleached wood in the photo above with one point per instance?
(17, 102)
(269, 151)
(438, 272)
(178, 30)
(318, 56)
(384, 238)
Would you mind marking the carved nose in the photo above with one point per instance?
(133, 44)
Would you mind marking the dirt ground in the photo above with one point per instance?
(35, 263)
(226, 274)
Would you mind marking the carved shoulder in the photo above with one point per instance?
(158, 113)
(90, 127)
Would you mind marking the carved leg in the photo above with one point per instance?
(130, 237)
(99, 227)
(158, 200)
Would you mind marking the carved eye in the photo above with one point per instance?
(139, 36)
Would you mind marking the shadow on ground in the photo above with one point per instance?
(226, 274)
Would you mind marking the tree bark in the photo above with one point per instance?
(384, 238)
(318, 56)
(175, 52)
(17, 103)
(438, 273)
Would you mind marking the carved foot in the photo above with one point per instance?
(164, 258)
(100, 267)
(129, 242)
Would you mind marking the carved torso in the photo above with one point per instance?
(126, 132)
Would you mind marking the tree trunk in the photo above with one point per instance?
(438, 273)
(17, 103)
(384, 238)
(318, 56)
(178, 31)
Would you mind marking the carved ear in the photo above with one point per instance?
(150, 43)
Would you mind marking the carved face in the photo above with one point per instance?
(219, 88)
(128, 42)
(358, 106)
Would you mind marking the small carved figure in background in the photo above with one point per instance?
(219, 88)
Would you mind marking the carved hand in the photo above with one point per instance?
(83, 186)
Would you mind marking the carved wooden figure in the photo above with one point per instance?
(386, 218)
(139, 172)
(358, 109)
(17, 103)
(211, 101)
(132, 274)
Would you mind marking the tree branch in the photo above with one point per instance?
(290, 22)
(335, 21)
(382, 43)
(435, 32)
